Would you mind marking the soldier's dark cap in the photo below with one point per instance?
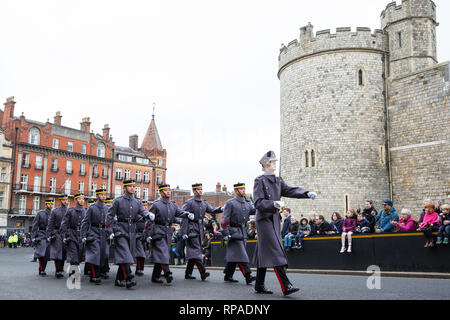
(239, 185)
(78, 195)
(100, 191)
(109, 199)
(164, 187)
(91, 201)
(63, 197)
(144, 201)
(197, 186)
(129, 182)
(268, 157)
(49, 201)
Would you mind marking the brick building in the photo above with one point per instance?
(6, 151)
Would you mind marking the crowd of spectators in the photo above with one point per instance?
(15, 240)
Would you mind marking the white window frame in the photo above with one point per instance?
(52, 185)
(83, 149)
(70, 146)
(34, 137)
(36, 204)
(67, 186)
(37, 184)
(101, 150)
(22, 204)
(55, 143)
(118, 191)
(23, 181)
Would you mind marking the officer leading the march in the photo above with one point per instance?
(55, 237)
(269, 252)
(236, 214)
(160, 233)
(193, 231)
(94, 237)
(128, 210)
(39, 236)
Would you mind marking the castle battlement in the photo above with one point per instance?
(324, 41)
(408, 9)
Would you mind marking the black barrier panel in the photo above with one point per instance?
(391, 252)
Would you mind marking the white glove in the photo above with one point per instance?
(191, 216)
(312, 195)
(279, 204)
(111, 236)
(149, 239)
(83, 240)
(185, 237)
(151, 215)
(226, 238)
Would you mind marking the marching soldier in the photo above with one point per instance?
(39, 236)
(70, 228)
(192, 231)
(55, 237)
(160, 234)
(140, 248)
(128, 210)
(94, 237)
(236, 214)
(269, 252)
(109, 201)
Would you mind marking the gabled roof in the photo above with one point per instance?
(151, 140)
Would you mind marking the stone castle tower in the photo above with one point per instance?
(357, 112)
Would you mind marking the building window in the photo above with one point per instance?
(94, 188)
(127, 175)
(52, 185)
(360, 77)
(104, 172)
(67, 186)
(38, 164)
(22, 204)
(306, 159)
(83, 149)
(3, 175)
(69, 166)
(24, 182)
(101, 150)
(104, 186)
(55, 143)
(36, 202)
(142, 161)
(146, 177)
(26, 160)
(119, 174)
(54, 165)
(118, 191)
(37, 184)
(138, 192)
(347, 207)
(382, 151)
(82, 168)
(313, 159)
(399, 38)
(160, 162)
(159, 179)
(125, 158)
(2, 195)
(81, 187)
(35, 136)
(145, 193)
(138, 176)
(95, 171)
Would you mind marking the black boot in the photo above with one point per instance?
(130, 283)
(119, 283)
(204, 275)
(169, 277)
(250, 279)
(97, 281)
(139, 273)
(229, 279)
(157, 280)
(262, 290)
(290, 289)
(189, 277)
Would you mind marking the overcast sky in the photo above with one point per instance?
(210, 66)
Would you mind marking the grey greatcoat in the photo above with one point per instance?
(166, 212)
(128, 210)
(57, 251)
(39, 233)
(140, 238)
(267, 189)
(234, 221)
(198, 207)
(93, 228)
(70, 228)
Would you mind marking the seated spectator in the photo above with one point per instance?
(348, 228)
(444, 219)
(430, 224)
(252, 230)
(385, 217)
(323, 227)
(292, 231)
(312, 223)
(438, 209)
(362, 225)
(287, 221)
(406, 223)
(336, 223)
(369, 214)
(304, 230)
(425, 202)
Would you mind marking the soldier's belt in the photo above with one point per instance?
(167, 224)
(237, 225)
(129, 220)
(98, 225)
(42, 229)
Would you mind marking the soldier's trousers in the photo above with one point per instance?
(104, 269)
(95, 271)
(59, 265)
(158, 268)
(231, 267)
(140, 263)
(124, 272)
(190, 266)
(280, 272)
(42, 263)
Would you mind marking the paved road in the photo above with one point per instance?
(19, 280)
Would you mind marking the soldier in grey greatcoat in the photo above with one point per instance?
(39, 236)
(140, 245)
(193, 230)
(159, 235)
(236, 215)
(55, 237)
(269, 252)
(94, 236)
(71, 228)
(128, 210)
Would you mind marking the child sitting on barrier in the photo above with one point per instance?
(444, 219)
(336, 223)
(406, 223)
(348, 228)
(430, 224)
(362, 225)
(304, 230)
(292, 231)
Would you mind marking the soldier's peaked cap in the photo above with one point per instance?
(100, 191)
(239, 185)
(164, 187)
(63, 197)
(49, 201)
(268, 157)
(197, 186)
(129, 182)
(79, 195)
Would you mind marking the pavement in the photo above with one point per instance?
(20, 281)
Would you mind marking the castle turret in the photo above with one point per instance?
(411, 29)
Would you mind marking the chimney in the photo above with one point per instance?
(134, 142)
(57, 118)
(8, 113)
(106, 132)
(218, 187)
(224, 189)
(86, 125)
